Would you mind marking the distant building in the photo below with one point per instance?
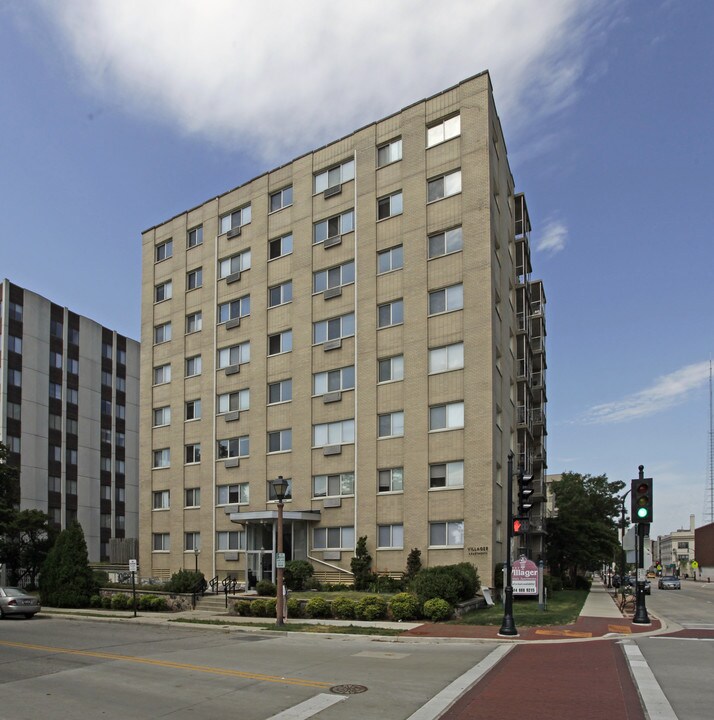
(69, 408)
(676, 551)
(362, 321)
(704, 542)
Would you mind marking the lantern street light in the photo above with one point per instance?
(280, 489)
(196, 551)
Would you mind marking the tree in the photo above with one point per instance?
(66, 579)
(361, 565)
(583, 536)
(9, 490)
(24, 546)
(413, 564)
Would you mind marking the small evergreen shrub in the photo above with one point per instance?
(404, 606)
(258, 609)
(95, 601)
(119, 601)
(242, 607)
(294, 608)
(101, 578)
(184, 581)
(271, 608)
(266, 588)
(413, 564)
(297, 572)
(386, 584)
(437, 609)
(106, 602)
(343, 608)
(448, 582)
(582, 583)
(361, 565)
(317, 607)
(372, 607)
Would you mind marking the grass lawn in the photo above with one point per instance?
(563, 609)
(298, 627)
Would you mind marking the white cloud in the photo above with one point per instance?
(665, 392)
(280, 77)
(553, 238)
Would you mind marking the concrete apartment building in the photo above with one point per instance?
(361, 321)
(69, 410)
(676, 551)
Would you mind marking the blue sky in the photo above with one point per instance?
(117, 116)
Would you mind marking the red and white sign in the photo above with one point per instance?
(524, 577)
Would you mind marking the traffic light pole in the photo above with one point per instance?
(508, 626)
(641, 617)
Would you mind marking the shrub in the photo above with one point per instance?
(184, 581)
(271, 608)
(297, 572)
(106, 602)
(361, 565)
(498, 576)
(448, 582)
(101, 578)
(471, 582)
(386, 584)
(437, 609)
(242, 607)
(258, 609)
(582, 583)
(143, 602)
(95, 601)
(266, 588)
(119, 601)
(413, 564)
(343, 608)
(372, 607)
(317, 607)
(294, 608)
(312, 583)
(159, 604)
(404, 606)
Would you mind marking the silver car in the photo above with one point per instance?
(669, 582)
(14, 601)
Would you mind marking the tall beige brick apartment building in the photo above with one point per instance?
(361, 321)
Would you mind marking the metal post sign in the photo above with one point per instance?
(524, 577)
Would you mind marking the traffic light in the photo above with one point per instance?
(524, 493)
(641, 492)
(520, 525)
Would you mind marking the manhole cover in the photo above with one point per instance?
(348, 689)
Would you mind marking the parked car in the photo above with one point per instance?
(669, 582)
(631, 581)
(14, 601)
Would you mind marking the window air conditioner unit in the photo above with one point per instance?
(334, 190)
(233, 232)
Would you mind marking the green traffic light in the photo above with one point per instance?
(642, 512)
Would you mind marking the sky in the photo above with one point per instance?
(116, 116)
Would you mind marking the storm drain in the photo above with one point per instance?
(348, 689)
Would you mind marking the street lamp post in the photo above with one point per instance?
(196, 551)
(508, 626)
(280, 488)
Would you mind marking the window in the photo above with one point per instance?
(120, 521)
(56, 391)
(193, 453)
(333, 380)
(161, 499)
(333, 227)
(55, 515)
(105, 464)
(56, 328)
(14, 413)
(54, 484)
(280, 294)
(443, 130)
(280, 246)
(107, 351)
(234, 447)
(333, 329)
(334, 538)
(446, 417)
(234, 264)
(446, 242)
(14, 377)
(72, 426)
(391, 313)
(193, 366)
(334, 433)
(195, 237)
(391, 259)
(683, 545)
(14, 344)
(120, 467)
(446, 534)
(15, 311)
(280, 440)
(73, 366)
(105, 520)
(193, 410)
(233, 402)
(391, 424)
(333, 277)
(105, 492)
(333, 485)
(446, 299)
(194, 279)
(449, 357)
(280, 392)
(72, 396)
(391, 369)
(120, 439)
(390, 536)
(280, 342)
(449, 474)
(120, 494)
(232, 494)
(334, 176)
(162, 333)
(192, 497)
(390, 480)
(163, 291)
(161, 542)
(55, 453)
(162, 458)
(281, 198)
(194, 322)
(55, 357)
(444, 186)
(230, 540)
(234, 309)
(235, 219)
(389, 206)
(13, 444)
(164, 250)
(389, 152)
(73, 336)
(234, 355)
(162, 416)
(120, 412)
(162, 374)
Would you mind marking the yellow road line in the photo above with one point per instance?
(174, 665)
